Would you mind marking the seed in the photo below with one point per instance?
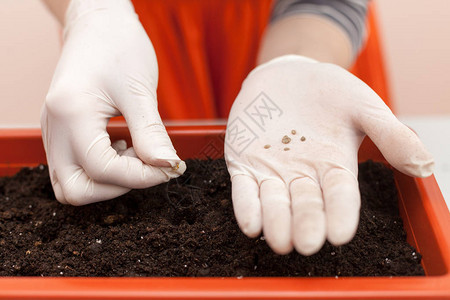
(286, 140)
(287, 149)
(293, 131)
(302, 139)
(266, 146)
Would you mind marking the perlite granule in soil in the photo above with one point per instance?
(184, 228)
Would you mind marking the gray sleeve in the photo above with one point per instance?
(349, 14)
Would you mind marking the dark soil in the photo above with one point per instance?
(184, 228)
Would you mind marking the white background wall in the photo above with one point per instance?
(415, 34)
(29, 50)
(416, 38)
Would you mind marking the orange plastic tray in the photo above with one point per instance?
(425, 215)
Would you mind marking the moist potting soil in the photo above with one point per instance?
(185, 227)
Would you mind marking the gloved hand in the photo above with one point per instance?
(107, 67)
(291, 147)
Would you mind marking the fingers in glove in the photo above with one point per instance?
(309, 223)
(74, 187)
(246, 204)
(121, 148)
(342, 205)
(57, 188)
(276, 215)
(103, 164)
(400, 146)
(150, 139)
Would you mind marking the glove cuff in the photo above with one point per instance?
(78, 8)
(282, 59)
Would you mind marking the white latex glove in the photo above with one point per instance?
(291, 148)
(107, 67)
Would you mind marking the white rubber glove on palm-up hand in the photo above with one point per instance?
(302, 189)
(107, 67)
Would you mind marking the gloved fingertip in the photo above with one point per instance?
(179, 167)
(308, 247)
(415, 164)
(342, 222)
(164, 157)
(341, 235)
(173, 172)
(309, 232)
(425, 168)
(251, 228)
(403, 149)
(280, 242)
(282, 249)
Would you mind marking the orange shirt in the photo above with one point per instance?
(205, 49)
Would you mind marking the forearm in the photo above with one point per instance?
(328, 31)
(58, 8)
(308, 35)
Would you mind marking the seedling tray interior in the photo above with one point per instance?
(422, 207)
